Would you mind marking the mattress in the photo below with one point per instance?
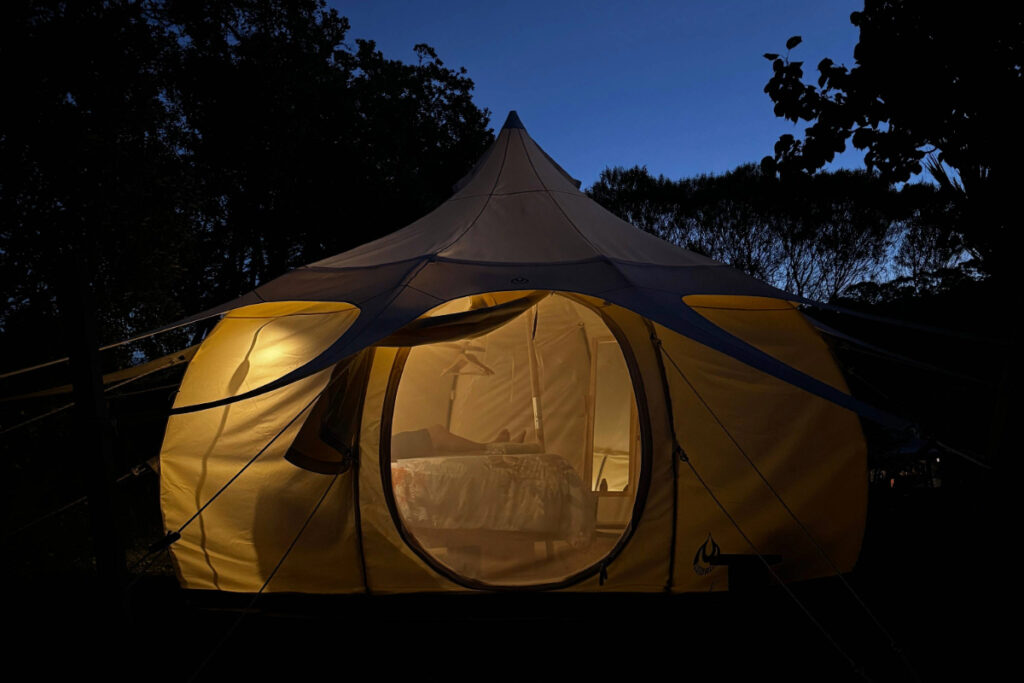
(537, 494)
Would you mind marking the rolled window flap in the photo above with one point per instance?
(327, 442)
(458, 326)
(318, 465)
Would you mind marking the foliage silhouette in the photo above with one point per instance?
(815, 236)
(928, 79)
(185, 152)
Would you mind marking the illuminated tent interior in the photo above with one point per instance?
(518, 391)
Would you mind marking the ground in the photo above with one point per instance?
(926, 571)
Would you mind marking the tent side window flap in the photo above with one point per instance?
(328, 440)
(497, 397)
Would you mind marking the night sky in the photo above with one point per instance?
(675, 86)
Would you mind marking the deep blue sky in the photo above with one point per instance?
(675, 86)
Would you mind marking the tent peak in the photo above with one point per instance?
(513, 121)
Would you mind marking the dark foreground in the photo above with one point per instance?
(922, 573)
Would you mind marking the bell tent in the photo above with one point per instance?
(517, 391)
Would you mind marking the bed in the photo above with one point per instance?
(493, 500)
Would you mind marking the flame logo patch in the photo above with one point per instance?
(707, 550)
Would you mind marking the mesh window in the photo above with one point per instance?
(515, 455)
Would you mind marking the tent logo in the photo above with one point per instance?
(702, 558)
(519, 280)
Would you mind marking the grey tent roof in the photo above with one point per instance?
(518, 221)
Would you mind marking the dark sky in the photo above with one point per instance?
(675, 86)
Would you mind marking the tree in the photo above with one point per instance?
(187, 151)
(91, 170)
(637, 197)
(305, 146)
(815, 236)
(928, 79)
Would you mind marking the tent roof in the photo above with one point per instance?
(518, 221)
(518, 206)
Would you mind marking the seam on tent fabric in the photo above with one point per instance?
(564, 214)
(422, 263)
(375, 266)
(483, 208)
(372, 352)
(677, 451)
(593, 259)
(740, 308)
(514, 192)
(287, 315)
(404, 284)
(558, 167)
(515, 264)
(458, 198)
(422, 291)
(789, 511)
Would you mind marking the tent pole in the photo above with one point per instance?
(538, 412)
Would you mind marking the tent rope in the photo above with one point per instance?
(807, 532)
(895, 322)
(241, 617)
(136, 471)
(64, 407)
(140, 337)
(866, 348)
(172, 537)
(139, 392)
(132, 371)
(828, 636)
(251, 461)
(973, 459)
(59, 409)
(969, 458)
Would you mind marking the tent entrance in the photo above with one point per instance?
(513, 457)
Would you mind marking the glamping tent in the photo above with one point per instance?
(517, 391)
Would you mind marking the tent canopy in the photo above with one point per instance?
(520, 222)
(502, 395)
